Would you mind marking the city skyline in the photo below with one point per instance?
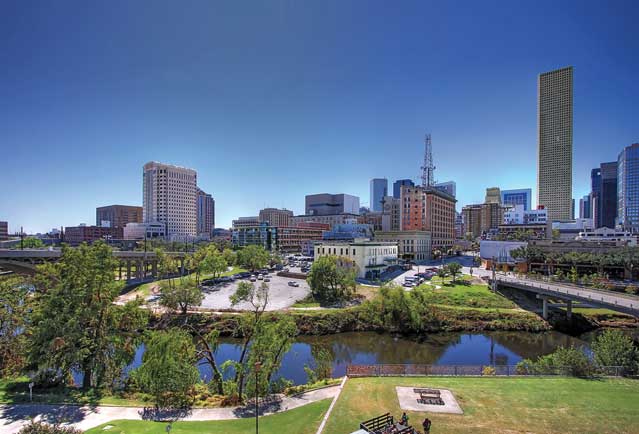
(86, 128)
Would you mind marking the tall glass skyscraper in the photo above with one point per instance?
(379, 189)
(628, 188)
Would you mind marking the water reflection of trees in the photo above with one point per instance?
(531, 345)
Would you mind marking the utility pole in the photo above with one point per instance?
(21, 238)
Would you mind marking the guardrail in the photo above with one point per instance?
(418, 370)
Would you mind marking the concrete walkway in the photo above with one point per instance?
(13, 417)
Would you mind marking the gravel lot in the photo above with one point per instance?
(281, 295)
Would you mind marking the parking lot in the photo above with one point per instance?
(281, 295)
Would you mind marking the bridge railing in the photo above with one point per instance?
(423, 370)
(569, 285)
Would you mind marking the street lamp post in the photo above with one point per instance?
(257, 367)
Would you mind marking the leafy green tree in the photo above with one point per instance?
(15, 304)
(32, 243)
(564, 360)
(181, 295)
(614, 348)
(168, 370)
(206, 345)
(249, 325)
(332, 278)
(229, 256)
(442, 273)
(454, 270)
(213, 261)
(253, 257)
(75, 323)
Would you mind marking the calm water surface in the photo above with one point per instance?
(501, 348)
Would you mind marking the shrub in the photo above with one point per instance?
(45, 428)
(614, 348)
(564, 361)
(488, 371)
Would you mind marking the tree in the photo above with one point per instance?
(442, 273)
(253, 257)
(76, 325)
(614, 348)
(229, 256)
(206, 345)
(454, 270)
(168, 369)
(14, 317)
(213, 261)
(180, 295)
(249, 325)
(332, 278)
(32, 243)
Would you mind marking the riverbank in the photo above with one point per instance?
(548, 405)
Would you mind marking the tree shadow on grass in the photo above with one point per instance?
(269, 404)
(159, 414)
(53, 414)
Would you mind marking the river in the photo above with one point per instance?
(501, 348)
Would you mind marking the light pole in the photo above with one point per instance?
(257, 367)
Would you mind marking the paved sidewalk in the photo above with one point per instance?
(13, 417)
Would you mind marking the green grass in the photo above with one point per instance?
(465, 295)
(500, 405)
(301, 420)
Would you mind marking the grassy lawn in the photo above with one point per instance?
(301, 420)
(465, 295)
(500, 405)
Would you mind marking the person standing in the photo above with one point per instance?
(426, 425)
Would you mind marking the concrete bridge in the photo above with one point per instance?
(616, 301)
(133, 265)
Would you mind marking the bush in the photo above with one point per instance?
(614, 348)
(488, 371)
(564, 361)
(45, 428)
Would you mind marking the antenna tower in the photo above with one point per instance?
(428, 169)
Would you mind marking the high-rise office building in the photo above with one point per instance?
(608, 197)
(449, 187)
(628, 188)
(205, 213)
(428, 209)
(397, 186)
(493, 195)
(522, 196)
(595, 193)
(554, 115)
(331, 204)
(170, 198)
(117, 216)
(4, 230)
(584, 207)
(378, 189)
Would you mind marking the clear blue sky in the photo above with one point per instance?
(272, 100)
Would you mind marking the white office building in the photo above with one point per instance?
(371, 257)
(607, 234)
(518, 215)
(140, 231)
(170, 197)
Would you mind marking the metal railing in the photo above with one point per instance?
(419, 370)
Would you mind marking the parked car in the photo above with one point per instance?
(293, 283)
(253, 279)
(260, 277)
(267, 279)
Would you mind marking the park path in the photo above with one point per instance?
(13, 417)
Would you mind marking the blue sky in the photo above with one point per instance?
(272, 100)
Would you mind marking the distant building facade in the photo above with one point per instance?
(331, 204)
(331, 220)
(522, 196)
(585, 207)
(169, 194)
(397, 186)
(378, 189)
(628, 188)
(4, 231)
(411, 245)
(555, 133)
(205, 213)
(449, 187)
(349, 232)
(608, 196)
(607, 234)
(275, 217)
(391, 214)
(371, 258)
(493, 195)
(141, 231)
(75, 235)
(246, 222)
(428, 209)
(117, 216)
